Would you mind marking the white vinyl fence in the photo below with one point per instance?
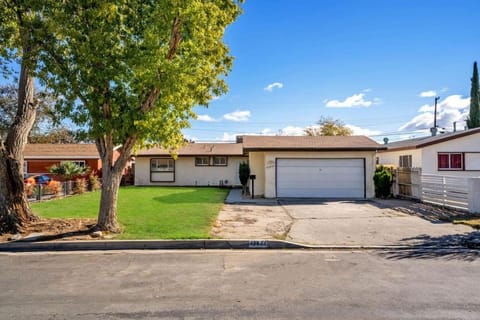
(445, 191)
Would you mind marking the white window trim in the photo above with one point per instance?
(170, 165)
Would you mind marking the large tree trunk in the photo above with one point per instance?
(111, 178)
(15, 211)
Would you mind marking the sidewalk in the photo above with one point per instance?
(235, 197)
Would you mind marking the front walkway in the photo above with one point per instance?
(357, 223)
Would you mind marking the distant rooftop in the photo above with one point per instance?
(429, 140)
(61, 151)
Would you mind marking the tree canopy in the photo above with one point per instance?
(131, 72)
(329, 127)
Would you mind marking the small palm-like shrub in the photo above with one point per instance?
(68, 170)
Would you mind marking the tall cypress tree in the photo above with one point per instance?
(473, 120)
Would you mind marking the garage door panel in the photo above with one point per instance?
(321, 178)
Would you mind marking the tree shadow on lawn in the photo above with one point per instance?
(191, 197)
(464, 246)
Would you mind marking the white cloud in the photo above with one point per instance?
(453, 108)
(272, 86)
(358, 131)
(427, 94)
(215, 98)
(367, 90)
(206, 118)
(356, 100)
(291, 131)
(238, 116)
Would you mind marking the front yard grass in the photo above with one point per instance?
(148, 212)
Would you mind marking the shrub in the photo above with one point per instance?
(80, 186)
(54, 187)
(30, 189)
(94, 182)
(383, 182)
(244, 175)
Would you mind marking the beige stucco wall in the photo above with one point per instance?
(187, 174)
(263, 165)
(257, 167)
(466, 144)
(392, 157)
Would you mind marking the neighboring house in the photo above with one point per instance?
(38, 158)
(284, 166)
(197, 164)
(452, 154)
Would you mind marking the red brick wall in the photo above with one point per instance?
(39, 166)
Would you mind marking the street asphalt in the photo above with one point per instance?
(262, 284)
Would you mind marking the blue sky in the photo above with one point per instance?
(374, 64)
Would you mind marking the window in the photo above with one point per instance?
(220, 161)
(450, 161)
(80, 163)
(25, 169)
(202, 161)
(405, 161)
(162, 165)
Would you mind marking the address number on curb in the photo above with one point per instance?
(258, 244)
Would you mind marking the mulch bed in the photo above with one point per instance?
(58, 229)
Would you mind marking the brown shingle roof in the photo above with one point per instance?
(429, 140)
(198, 149)
(252, 143)
(61, 151)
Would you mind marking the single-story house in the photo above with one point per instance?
(197, 164)
(453, 154)
(284, 166)
(39, 157)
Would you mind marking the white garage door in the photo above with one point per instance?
(321, 178)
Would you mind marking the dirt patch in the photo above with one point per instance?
(57, 229)
(251, 222)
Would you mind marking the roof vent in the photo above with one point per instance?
(385, 140)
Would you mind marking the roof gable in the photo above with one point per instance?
(429, 140)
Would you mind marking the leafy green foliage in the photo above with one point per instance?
(244, 175)
(383, 182)
(329, 127)
(68, 170)
(136, 69)
(473, 120)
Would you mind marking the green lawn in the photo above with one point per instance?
(148, 212)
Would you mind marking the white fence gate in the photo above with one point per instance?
(445, 191)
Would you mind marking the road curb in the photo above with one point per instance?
(33, 246)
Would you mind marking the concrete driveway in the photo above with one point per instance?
(362, 223)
